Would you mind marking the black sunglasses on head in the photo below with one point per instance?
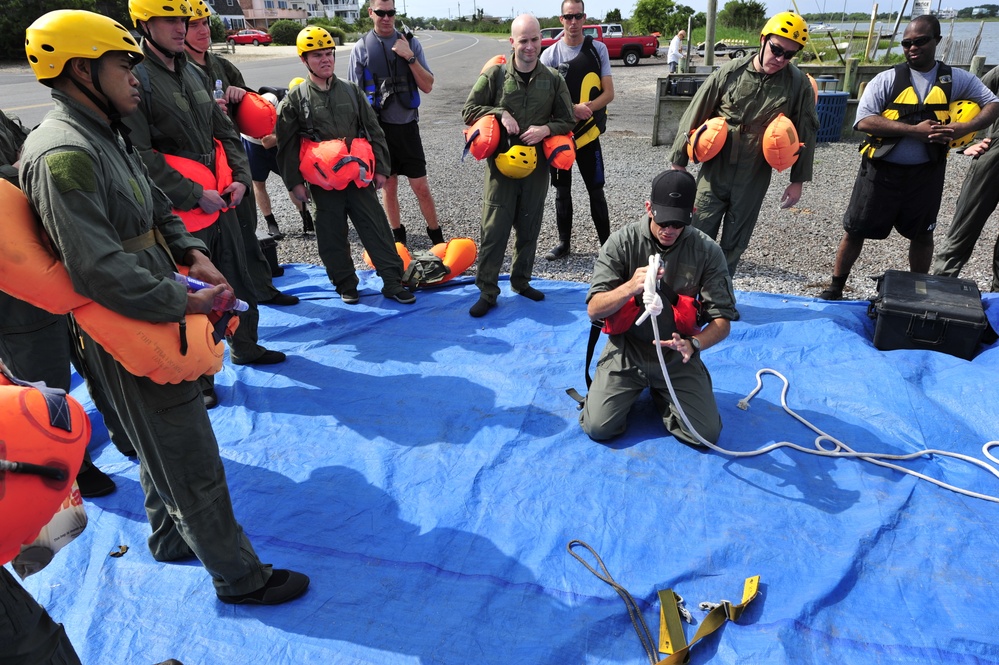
(579, 16)
(918, 41)
(382, 13)
(781, 52)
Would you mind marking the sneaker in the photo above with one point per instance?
(399, 234)
(281, 300)
(403, 296)
(94, 483)
(350, 297)
(268, 357)
(558, 251)
(283, 585)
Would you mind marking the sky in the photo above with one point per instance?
(599, 8)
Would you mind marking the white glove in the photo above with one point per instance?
(653, 303)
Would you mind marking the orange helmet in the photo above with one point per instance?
(560, 151)
(781, 146)
(707, 140)
(482, 138)
(255, 116)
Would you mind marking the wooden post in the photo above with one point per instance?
(850, 76)
(977, 65)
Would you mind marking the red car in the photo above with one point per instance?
(255, 37)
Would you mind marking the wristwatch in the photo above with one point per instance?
(695, 343)
(412, 59)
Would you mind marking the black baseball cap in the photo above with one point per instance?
(673, 197)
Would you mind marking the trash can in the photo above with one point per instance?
(831, 109)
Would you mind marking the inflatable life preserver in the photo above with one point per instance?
(815, 86)
(492, 62)
(255, 116)
(458, 254)
(781, 146)
(560, 151)
(482, 138)
(332, 165)
(45, 427)
(30, 271)
(963, 110)
(706, 141)
(196, 218)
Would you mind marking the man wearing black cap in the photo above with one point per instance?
(691, 265)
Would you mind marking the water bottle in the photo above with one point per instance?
(219, 92)
(224, 302)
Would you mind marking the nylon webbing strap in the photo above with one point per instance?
(675, 643)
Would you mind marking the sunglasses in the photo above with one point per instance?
(671, 225)
(780, 52)
(382, 13)
(578, 16)
(918, 41)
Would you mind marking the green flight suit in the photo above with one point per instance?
(515, 203)
(219, 69)
(340, 113)
(181, 118)
(92, 195)
(731, 186)
(978, 200)
(693, 265)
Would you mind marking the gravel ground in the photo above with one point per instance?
(791, 252)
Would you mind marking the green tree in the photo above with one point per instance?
(218, 28)
(17, 15)
(613, 16)
(285, 31)
(663, 16)
(743, 15)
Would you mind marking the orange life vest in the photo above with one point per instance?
(255, 116)
(332, 165)
(30, 271)
(196, 219)
(458, 254)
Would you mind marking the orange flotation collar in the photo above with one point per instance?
(331, 165)
(560, 151)
(40, 426)
(781, 146)
(482, 137)
(255, 116)
(492, 62)
(197, 219)
(163, 352)
(458, 254)
(706, 141)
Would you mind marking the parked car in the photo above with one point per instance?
(255, 37)
(629, 49)
(612, 29)
(551, 33)
(722, 49)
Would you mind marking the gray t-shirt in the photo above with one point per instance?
(559, 52)
(876, 98)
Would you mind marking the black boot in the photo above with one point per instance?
(436, 236)
(563, 220)
(835, 289)
(400, 234)
(308, 226)
(272, 227)
(558, 251)
(601, 217)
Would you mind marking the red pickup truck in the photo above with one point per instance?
(629, 49)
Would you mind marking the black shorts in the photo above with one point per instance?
(263, 161)
(406, 149)
(887, 196)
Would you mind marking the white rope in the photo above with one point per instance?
(825, 444)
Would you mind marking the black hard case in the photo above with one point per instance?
(916, 311)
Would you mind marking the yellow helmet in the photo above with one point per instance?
(314, 38)
(295, 81)
(56, 37)
(963, 110)
(517, 162)
(199, 9)
(143, 10)
(787, 24)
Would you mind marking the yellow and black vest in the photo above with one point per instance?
(582, 77)
(906, 107)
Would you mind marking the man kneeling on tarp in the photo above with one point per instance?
(692, 275)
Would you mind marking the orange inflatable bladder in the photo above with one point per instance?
(706, 141)
(495, 60)
(458, 254)
(560, 151)
(41, 427)
(781, 146)
(255, 116)
(30, 271)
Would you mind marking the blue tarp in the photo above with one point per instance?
(426, 469)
